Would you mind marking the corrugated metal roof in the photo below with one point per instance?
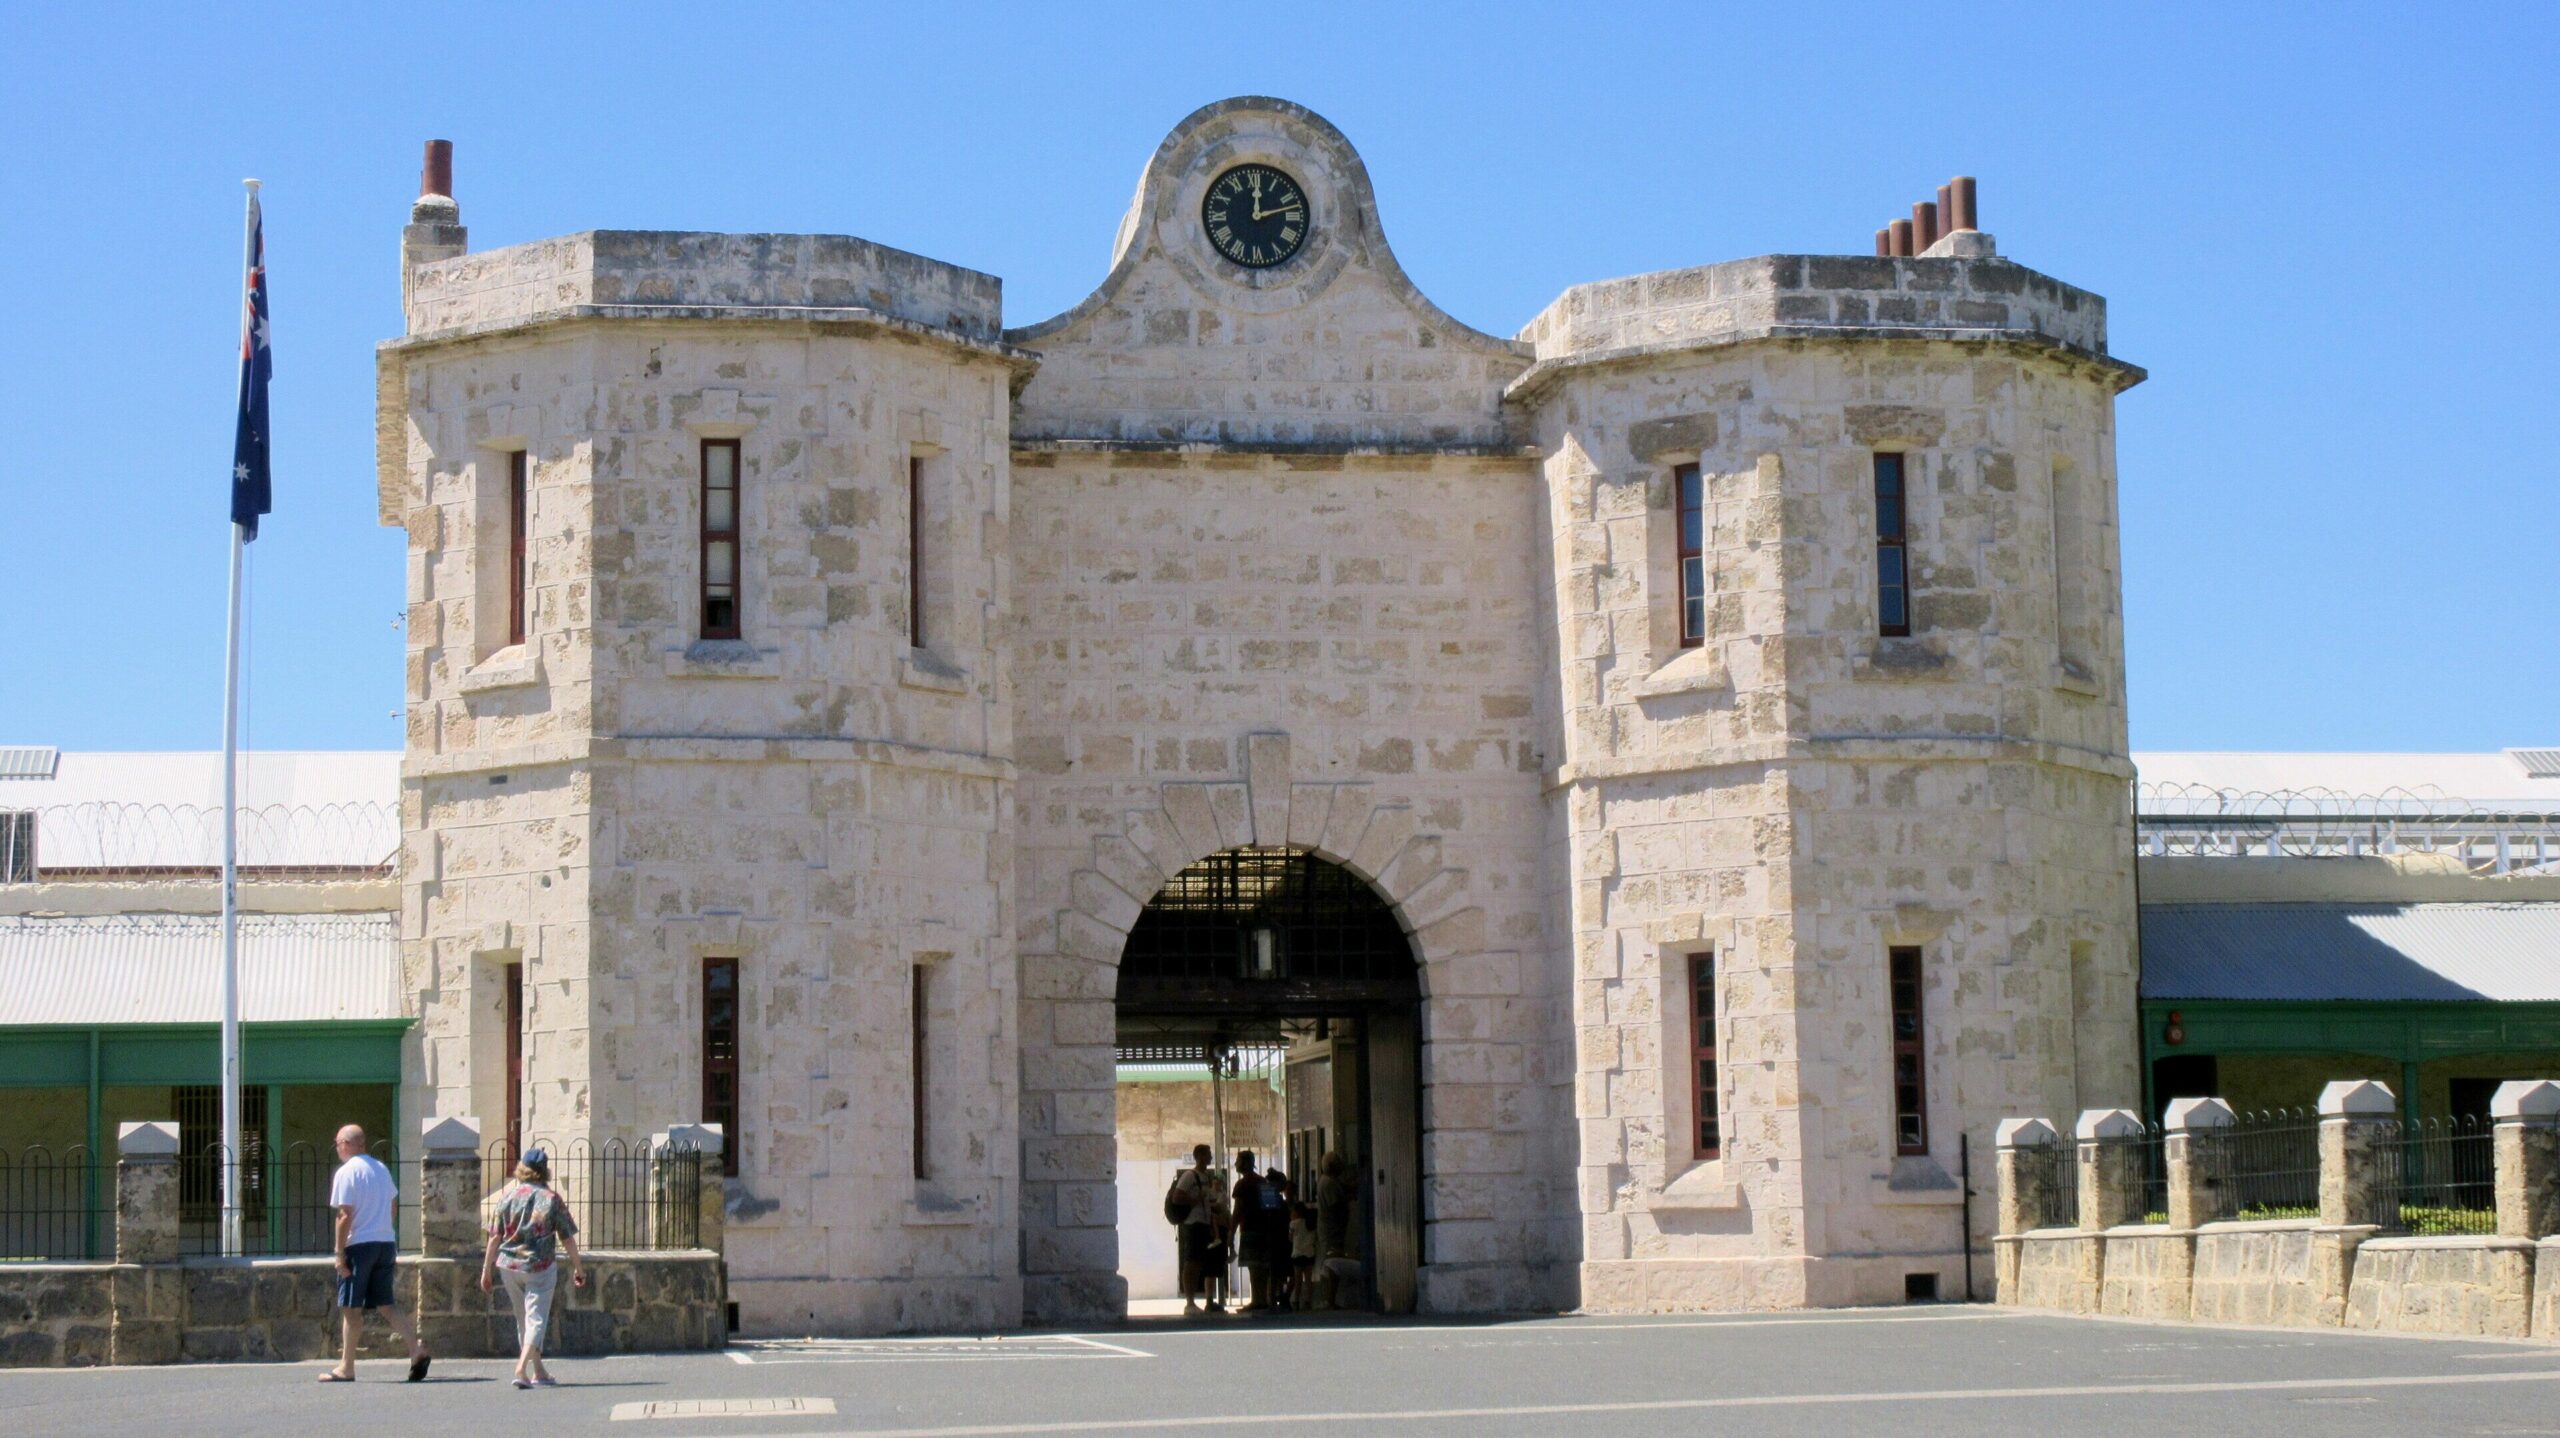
(167, 968)
(2385, 952)
(28, 762)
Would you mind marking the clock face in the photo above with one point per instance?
(1255, 216)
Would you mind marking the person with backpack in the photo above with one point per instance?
(1196, 1204)
(1258, 1202)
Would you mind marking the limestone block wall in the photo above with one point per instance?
(822, 799)
(1798, 794)
(1334, 348)
(1219, 649)
(661, 268)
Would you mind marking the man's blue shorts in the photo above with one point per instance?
(368, 1280)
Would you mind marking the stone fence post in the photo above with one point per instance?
(449, 1197)
(2110, 1167)
(146, 1291)
(2199, 1154)
(710, 1196)
(147, 1193)
(2357, 1185)
(2527, 1114)
(2028, 1150)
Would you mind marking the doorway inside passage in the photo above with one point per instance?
(1269, 1001)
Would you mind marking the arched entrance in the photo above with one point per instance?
(1289, 988)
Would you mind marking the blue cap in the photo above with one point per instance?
(536, 1157)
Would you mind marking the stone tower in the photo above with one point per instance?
(1774, 793)
(639, 765)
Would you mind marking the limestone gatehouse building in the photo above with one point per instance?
(1660, 777)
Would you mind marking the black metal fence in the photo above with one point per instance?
(284, 1197)
(2271, 1161)
(56, 1206)
(620, 1195)
(2448, 1175)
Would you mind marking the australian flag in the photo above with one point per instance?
(250, 494)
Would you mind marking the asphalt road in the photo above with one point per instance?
(1905, 1373)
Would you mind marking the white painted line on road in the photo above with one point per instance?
(1380, 1418)
(769, 1352)
(1108, 1347)
(1373, 1331)
(739, 1355)
(725, 1408)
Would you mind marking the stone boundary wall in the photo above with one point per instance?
(81, 1315)
(2347, 1268)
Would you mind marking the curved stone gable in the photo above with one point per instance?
(1333, 348)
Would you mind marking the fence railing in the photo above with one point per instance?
(2448, 1176)
(284, 1197)
(56, 1206)
(620, 1195)
(2271, 1161)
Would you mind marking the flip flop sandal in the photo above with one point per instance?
(331, 1376)
(418, 1367)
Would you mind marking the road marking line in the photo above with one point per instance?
(725, 1408)
(1559, 1324)
(770, 1352)
(737, 1355)
(1381, 1417)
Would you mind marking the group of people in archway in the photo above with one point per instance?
(1295, 1252)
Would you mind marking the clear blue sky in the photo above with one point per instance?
(2330, 235)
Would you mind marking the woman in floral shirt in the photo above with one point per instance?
(527, 1228)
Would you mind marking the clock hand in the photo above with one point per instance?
(1260, 213)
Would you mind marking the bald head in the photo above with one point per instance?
(351, 1140)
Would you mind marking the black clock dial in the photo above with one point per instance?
(1255, 215)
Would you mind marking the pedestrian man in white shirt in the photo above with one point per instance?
(367, 1202)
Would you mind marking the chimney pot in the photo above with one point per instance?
(1884, 242)
(1924, 225)
(1901, 237)
(436, 177)
(1965, 216)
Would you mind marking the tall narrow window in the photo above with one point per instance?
(1910, 1061)
(917, 1007)
(1702, 1055)
(516, 465)
(720, 539)
(2071, 565)
(1893, 570)
(1691, 499)
(915, 552)
(720, 1057)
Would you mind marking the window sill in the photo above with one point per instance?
(723, 659)
(518, 666)
(2070, 678)
(935, 1207)
(1703, 1186)
(924, 669)
(1918, 1181)
(1692, 671)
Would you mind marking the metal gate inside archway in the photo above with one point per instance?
(1269, 1001)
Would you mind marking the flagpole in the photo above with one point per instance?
(233, 1158)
